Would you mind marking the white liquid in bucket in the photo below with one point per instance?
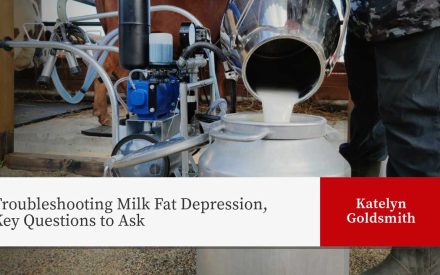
(277, 104)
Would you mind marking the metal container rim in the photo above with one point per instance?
(312, 120)
(312, 45)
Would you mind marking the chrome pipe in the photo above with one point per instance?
(97, 48)
(157, 8)
(183, 90)
(199, 84)
(157, 151)
(215, 92)
(45, 77)
(93, 16)
(74, 68)
(183, 93)
(62, 11)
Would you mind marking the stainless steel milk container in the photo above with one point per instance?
(286, 45)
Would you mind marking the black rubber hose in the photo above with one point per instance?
(219, 53)
(87, 2)
(204, 45)
(4, 44)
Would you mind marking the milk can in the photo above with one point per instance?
(290, 45)
(244, 146)
(281, 45)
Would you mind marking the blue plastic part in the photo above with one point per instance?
(166, 94)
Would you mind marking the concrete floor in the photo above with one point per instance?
(62, 136)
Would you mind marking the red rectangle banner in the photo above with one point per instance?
(380, 212)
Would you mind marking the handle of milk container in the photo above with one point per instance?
(218, 133)
(334, 59)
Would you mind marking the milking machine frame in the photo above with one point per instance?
(118, 130)
(183, 143)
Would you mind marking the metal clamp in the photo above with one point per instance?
(62, 11)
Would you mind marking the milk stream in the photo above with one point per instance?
(277, 104)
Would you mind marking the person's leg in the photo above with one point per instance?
(366, 147)
(409, 101)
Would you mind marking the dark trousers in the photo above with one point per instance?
(408, 71)
(397, 81)
(367, 133)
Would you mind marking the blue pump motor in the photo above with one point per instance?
(153, 98)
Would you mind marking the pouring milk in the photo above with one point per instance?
(277, 104)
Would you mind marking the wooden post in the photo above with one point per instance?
(6, 81)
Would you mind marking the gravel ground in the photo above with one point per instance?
(131, 261)
(97, 261)
(362, 259)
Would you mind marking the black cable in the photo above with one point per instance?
(204, 45)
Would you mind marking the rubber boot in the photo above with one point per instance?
(409, 261)
(366, 169)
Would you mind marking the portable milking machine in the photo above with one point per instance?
(162, 94)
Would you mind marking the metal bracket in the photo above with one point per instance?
(232, 75)
(62, 11)
(229, 72)
(42, 30)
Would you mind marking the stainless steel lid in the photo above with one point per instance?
(251, 126)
